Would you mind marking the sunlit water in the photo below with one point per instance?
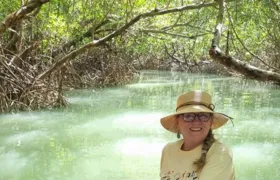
(116, 134)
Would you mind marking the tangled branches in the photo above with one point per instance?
(18, 91)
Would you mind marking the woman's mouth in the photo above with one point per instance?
(195, 129)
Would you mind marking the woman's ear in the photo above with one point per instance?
(211, 119)
(177, 120)
(177, 123)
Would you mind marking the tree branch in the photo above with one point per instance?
(185, 24)
(243, 45)
(119, 31)
(247, 69)
(73, 42)
(219, 24)
(172, 34)
(18, 15)
(238, 65)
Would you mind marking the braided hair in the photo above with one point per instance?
(209, 140)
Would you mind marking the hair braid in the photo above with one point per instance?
(206, 146)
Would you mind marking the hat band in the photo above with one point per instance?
(210, 106)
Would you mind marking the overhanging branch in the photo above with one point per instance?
(243, 45)
(172, 34)
(235, 64)
(18, 15)
(119, 31)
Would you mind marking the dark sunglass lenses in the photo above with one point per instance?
(201, 116)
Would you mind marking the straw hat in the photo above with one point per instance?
(194, 102)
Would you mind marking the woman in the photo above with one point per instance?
(198, 156)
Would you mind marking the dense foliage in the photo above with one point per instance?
(188, 32)
(173, 40)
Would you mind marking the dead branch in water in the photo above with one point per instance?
(240, 66)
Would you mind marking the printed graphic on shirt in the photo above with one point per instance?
(172, 175)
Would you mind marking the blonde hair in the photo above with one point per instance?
(209, 140)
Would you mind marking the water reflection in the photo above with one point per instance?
(140, 147)
(115, 133)
(12, 162)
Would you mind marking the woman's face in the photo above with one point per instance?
(194, 126)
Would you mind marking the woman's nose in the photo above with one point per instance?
(196, 120)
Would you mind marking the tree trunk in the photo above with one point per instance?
(243, 68)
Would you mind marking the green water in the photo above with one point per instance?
(115, 133)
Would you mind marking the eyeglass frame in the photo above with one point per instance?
(198, 117)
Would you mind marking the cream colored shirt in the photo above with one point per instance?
(178, 165)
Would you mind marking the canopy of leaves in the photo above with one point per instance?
(188, 32)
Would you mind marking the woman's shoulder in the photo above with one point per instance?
(174, 144)
(219, 148)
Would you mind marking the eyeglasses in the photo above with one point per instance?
(189, 117)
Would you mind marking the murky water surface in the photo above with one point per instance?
(116, 134)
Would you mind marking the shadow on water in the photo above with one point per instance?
(115, 133)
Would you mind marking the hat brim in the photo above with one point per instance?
(169, 122)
